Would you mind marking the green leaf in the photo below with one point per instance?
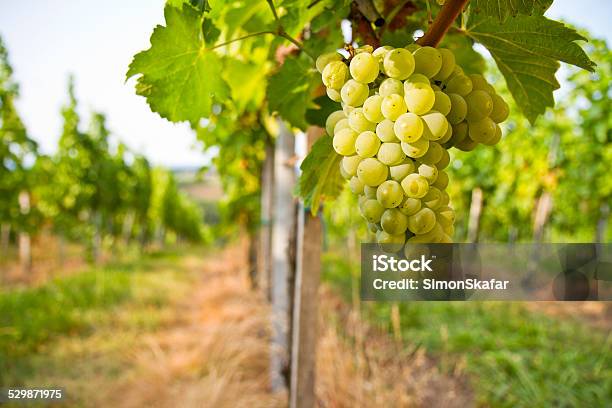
(178, 75)
(320, 177)
(502, 9)
(325, 107)
(527, 51)
(247, 81)
(289, 90)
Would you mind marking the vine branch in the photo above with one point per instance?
(244, 37)
(445, 18)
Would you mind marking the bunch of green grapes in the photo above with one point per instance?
(402, 109)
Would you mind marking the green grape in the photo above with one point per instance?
(372, 227)
(408, 127)
(448, 64)
(398, 63)
(390, 154)
(444, 199)
(435, 127)
(456, 71)
(372, 210)
(435, 88)
(361, 198)
(391, 86)
(344, 174)
(410, 206)
(433, 155)
(372, 172)
(500, 110)
(334, 95)
(393, 106)
(433, 198)
(442, 103)
(380, 53)
(447, 136)
(393, 243)
(449, 231)
(335, 74)
(415, 185)
(332, 120)
(429, 172)
(367, 144)
(416, 149)
(364, 68)
(341, 124)
(460, 132)
(420, 98)
(394, 222)
(324, 59)
(346, 109)
(364, 48)
(358, 122)
(459, 84)
(344, 142)
(384, 131)
(466, 145)
(444, 160)
(498, 134)
(445, 216)
(412, 47)
(441, 181)
(356, 185)
(354, 93)
(482, 130)
(415, 79)
(399, 172)
(479, 105)
(370, 192)
(390, 194)
(415, 250)
(350, 163)
(481, 84)
(422, 222)
(458, 109)
(434, 236)
(427, 61)
(371, 109)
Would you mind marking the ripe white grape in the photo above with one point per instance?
(428, 61)
(433, 198)
(356, 185)
(394, 222)
(399, 172)
(341, 124)
(335, 74)
(422, 222)
(390, 194)
(479, 105)
(458, 109)
(448, 64)
(435, 127)
(460, 132)
(480, 83)
(393, 106)
(372, 210)
(349, 164)
(410, 206)
(447, 136)
(408, 127)
(367, 144)
(444, 160)
(415, 185)
(390, 154)
(414, 79)
(416, 149)
(500, 110)
(466, 145)
(459, 84)
(399, 63)
(385, 132)
(442, 103)
(332, 120)
(429, 172)
(445, 216)
(369, 191)
(482, 130)
(334, 95)
(371, 109)
(372, 172)
(495, 139)
(344, 142)
(364, 67)
(353, 93)
(433, 154)
(358, 122)
(325, 59)
(391, 86)
(420, 98)
(393, 243)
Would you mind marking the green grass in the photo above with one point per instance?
(515, 357)
(32, 320)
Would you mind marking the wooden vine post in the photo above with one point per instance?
(305, 301)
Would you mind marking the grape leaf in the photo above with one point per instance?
(289, 90)
(179, 77)
(527, 51)
(325, 106)
(320, 177)
(502, 9)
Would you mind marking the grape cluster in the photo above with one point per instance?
(402, 109)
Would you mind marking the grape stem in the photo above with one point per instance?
(445, 18)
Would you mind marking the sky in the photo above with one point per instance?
(95, 41)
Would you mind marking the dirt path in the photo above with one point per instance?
(215, 354)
